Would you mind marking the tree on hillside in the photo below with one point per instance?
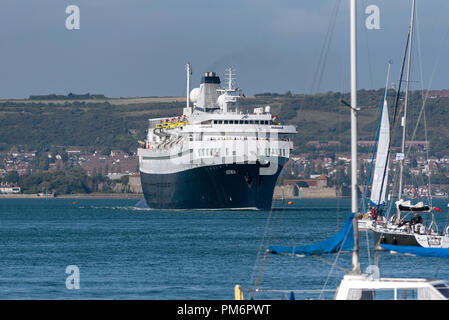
(11, 177)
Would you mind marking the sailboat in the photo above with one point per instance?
(357, 285)
(410, 233)
(376, 207)
(399, 231)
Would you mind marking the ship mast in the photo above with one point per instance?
(230, 74)
(412, 18)
(354, 206)
(188, 110)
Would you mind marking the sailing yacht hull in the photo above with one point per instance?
(410, 239)
(365, 224)
(394, 239)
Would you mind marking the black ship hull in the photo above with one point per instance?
(224, 186)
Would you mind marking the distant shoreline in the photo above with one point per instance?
(76, 196)
(140, 196)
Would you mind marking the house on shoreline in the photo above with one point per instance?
(9, 188)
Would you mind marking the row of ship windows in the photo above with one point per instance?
(243, 122)
(216, 152)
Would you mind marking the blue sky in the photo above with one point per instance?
(140, 47)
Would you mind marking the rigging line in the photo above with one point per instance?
(277, 225)
(422, 111)
(259, 274)
(437, 268)
(325, 49)
(344, 66)
(433, 73)
(429, 86)
(368, 51)
(447, 221)
(261, 246)
(395, 110)
(339, 149)
(418, 38)
(406, 98)
(312, 89)
(334, 265)
(368, 247)
(429, 193)
(394, 187)
(371, 164)
(265, 246)
(395, 116)
(376, 142)
(377, 128)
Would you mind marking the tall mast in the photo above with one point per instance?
(189, 72)
(404, 118)
(230, 84)
(354, 206)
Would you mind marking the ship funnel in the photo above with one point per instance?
(210, 77)
(208, 95)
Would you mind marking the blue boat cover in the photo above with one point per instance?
(418, 251)
(377, 205)
(342, 241)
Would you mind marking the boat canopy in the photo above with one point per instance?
(407, 206)
(417, 251)
(414, 209)
(341, 241)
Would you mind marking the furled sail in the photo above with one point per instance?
(341, 241)
(380, 178)
(417, 251)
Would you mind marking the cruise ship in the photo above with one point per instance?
(214, 155)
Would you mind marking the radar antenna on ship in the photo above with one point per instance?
(230, 74)
(230, 94)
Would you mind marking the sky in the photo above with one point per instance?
(139, 48)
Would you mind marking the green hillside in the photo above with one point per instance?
(37, 125)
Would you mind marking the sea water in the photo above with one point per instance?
(110, 249)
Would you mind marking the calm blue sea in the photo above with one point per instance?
(126, 253)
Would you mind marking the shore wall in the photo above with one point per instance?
(20, 196)
(294, 192)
